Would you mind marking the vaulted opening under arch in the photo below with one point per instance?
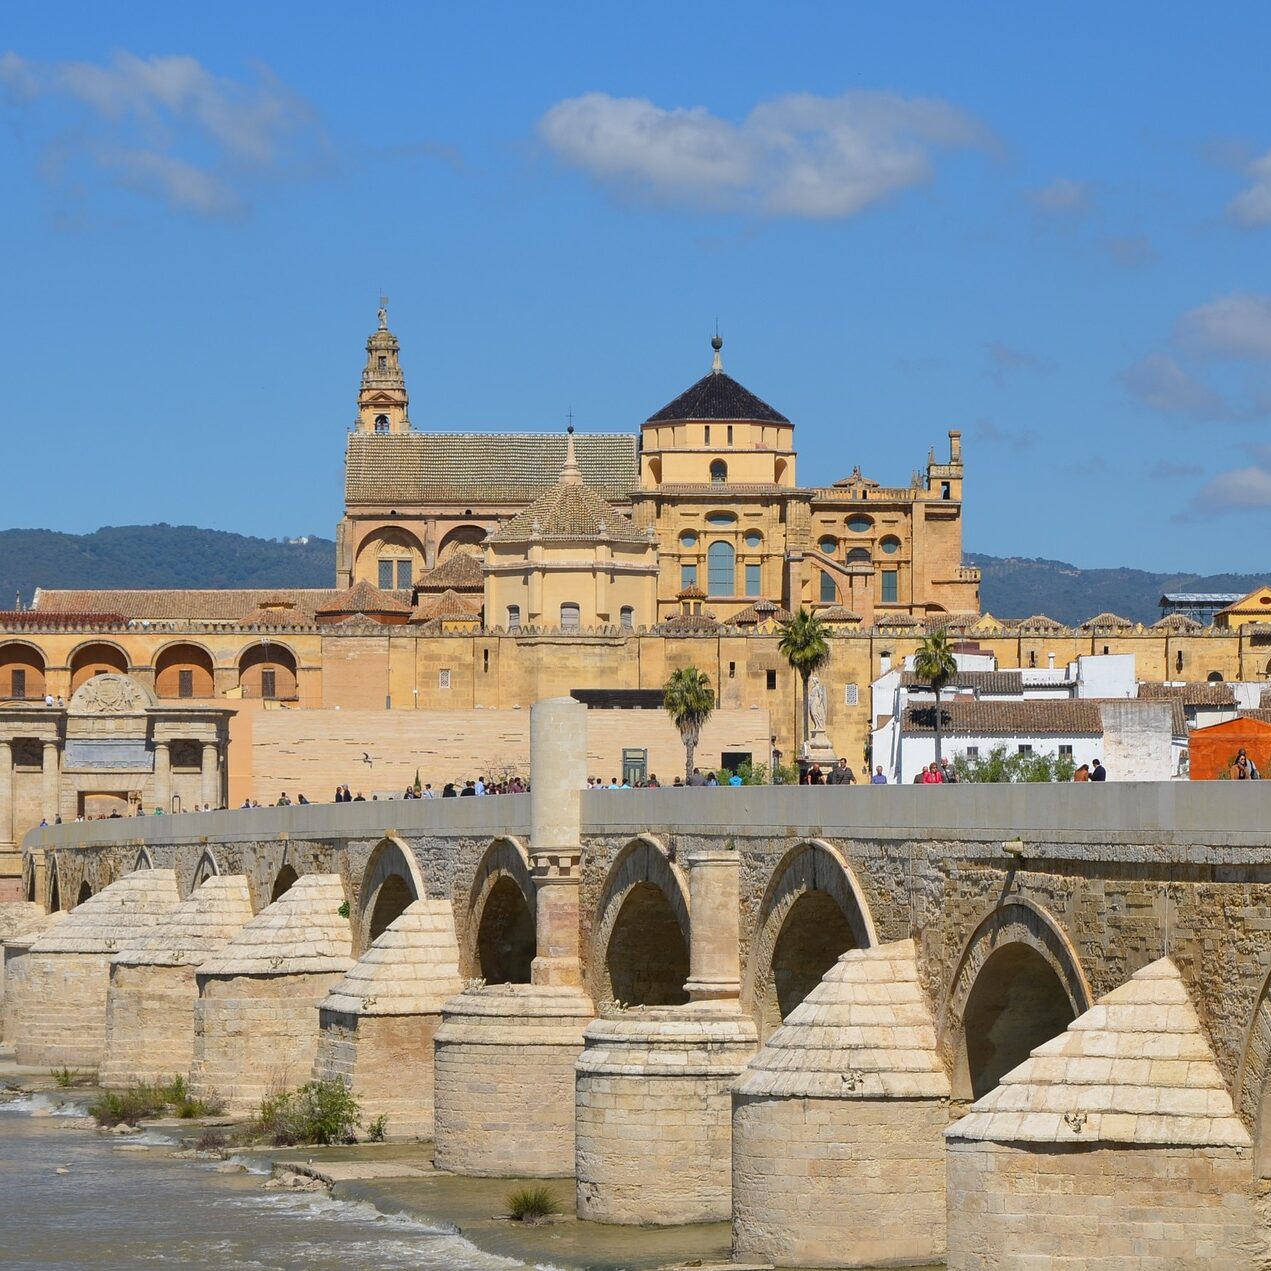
(647, 958)
(85, 893)
(55, 895)
(1017, 1003)
(814, 935)
(283, 883)
(391, 901)
(505, 938)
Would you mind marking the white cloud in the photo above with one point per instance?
(167, 127)
(1004, 360)
(1237, 327)
(1159, 382)
(799, 155)
(1064, 197)
(1253, 206)
(1238, 489)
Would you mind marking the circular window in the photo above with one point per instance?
(753, 538)
(859, 524)
(891, 544)
(828, 545)
(688, 539)
(720, 518)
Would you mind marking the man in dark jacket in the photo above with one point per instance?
(1098, 772)
(842, 775)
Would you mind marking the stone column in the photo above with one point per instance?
(558, 772)
(211, 785)
(714, 902)
(6, 794)
(162, 777)
(52, 771)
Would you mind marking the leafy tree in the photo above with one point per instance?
(689, 700)
(1001, 765)
(806, 647)
(934, 662)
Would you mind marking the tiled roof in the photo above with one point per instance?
(362, 597)
(717, 396)
(570, 509)
(1193, 693)
(1260, 713)
(1024, 718)
(867, 1020)
(191, 605)
(691, 592)
(1040, 622)
(762, 611)
(21, 619)
(460, 571)
(895, 618)
(689, 622)
(1135, 1068)
(998, 683)
(450, 604)
(838, 613)
(409, 468)
(1177, 622)
(277, 615)
(1107, 622)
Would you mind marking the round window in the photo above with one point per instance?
(828, 545)
(859, 524)
(720, 518)
(688, 539)
(753, 538)
(891, 545)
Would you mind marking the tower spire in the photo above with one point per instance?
(571, 473)
(717, 363)
(382, 402)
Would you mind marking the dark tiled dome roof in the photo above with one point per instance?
(717, 396)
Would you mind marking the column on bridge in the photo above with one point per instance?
(50, 781)
(838, 1155)
(521, 1041)
(162, 777)
(655, 1083)
(6, 796)
(210, 773)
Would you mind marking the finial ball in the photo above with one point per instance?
(569, 428)
(717, 343)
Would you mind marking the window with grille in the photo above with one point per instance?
(269, 684)
(381, 423)
(185, 683)
(18, 688)
(753, 580)
(386, 575)
(1025, 749)
(514, 617)
(771, 680)
(719, 472)
(851, 695)
(443, 677)
(688, 576)
(1065, 752)
(404, 574)
(720, 569)
(829, 593)
(570, 617)
(891, 587)
(627, 617)
(973, 752)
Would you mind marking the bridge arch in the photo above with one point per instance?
(813, 911)
(499, 941)
(1018, 983)
(640, 951)
(284, 880)
(1253, 1084)
(390, 882)
(205, 869)
(85, 893)
(54, 886)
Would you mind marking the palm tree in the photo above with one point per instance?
(935, 663)
(805, 646)
(689, 700)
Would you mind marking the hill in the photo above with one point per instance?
(185, 556)
(157, 556)
(1015, 587)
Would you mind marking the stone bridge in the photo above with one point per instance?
(783, 997)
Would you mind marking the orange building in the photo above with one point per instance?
(1213, 749)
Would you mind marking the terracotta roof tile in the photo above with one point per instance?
(461, 571)
(362, 597)
(1106, 622)
(1177, 622)
(1192, 693)
(838, 613)
(1040, 622)
(998, 683)
(187, 605)
(515, 468)
(1025, 718)
(763, 611)
(570, 510)
(450, 604)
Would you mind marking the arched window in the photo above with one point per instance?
(720, 569)
(719, 472)
(514, 617)
(829, 593)
(381, 423)
(858, 555)
(1214, 677)
(626, 616)
(570, 617)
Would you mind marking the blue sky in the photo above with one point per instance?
(1050, 228)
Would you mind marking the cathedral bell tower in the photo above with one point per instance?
(382, 402)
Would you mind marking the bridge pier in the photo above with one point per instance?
(654, 1085)
(838, 1159)
(66, 972)
(505, 1053)
(378, 1023)
(256, 1020)
(153, 987)
(1117, 1140)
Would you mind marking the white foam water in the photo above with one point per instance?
(43, 1105)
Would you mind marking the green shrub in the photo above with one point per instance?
(344, 910)
(67, 1077)
(1005, 766)
(319, 1112)
(529, 1204)
(152, 1100)
(377, 1131)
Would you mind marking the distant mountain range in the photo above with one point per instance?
(184, 556)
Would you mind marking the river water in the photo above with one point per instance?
(117, 1208)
